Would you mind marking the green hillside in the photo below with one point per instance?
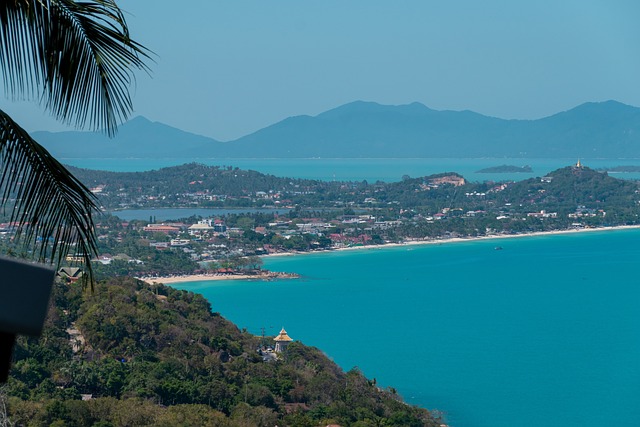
(153, 355)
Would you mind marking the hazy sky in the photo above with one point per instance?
(227, 68)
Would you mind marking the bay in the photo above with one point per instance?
(545, 331)
(387, 170)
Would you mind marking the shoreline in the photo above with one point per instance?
(457, 240)
(278, 275)
(204, 277)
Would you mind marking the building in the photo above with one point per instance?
(161, 228)
(452, 179)
(219, 226)
(180, 242)
(202, 227)
(282, 341)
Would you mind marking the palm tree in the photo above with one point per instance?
(77, 60)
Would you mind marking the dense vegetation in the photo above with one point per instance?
(189, 185)
(571, 187)
(213, 186)
(154, 355)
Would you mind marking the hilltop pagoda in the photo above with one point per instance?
(282, 341)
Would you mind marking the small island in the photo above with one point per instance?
(507, 169)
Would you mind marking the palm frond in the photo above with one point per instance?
(51, 206)
(78, 53)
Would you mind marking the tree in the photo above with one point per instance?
(254, 262)
(77, 60)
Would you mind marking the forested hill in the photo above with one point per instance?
(573, 186)
(213, 186)
(370, 130)
(193, 177)
(156, 356)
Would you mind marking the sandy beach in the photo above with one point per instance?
(458, 239)
(267, 275)
(273, 275)
(194, 278)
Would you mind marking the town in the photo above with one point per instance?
(270, 215)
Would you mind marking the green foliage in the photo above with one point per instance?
(158, 356)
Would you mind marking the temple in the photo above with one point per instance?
(282, 341)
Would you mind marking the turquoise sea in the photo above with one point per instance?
(372, 170)
(545, 331)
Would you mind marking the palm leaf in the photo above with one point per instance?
(77, 58)
(78, 53)
(51, 206)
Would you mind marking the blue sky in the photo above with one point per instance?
(227, 68)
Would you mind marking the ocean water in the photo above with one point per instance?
(372, 170)
(545, 331)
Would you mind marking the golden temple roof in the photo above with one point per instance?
(283, 336)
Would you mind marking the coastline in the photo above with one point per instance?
(264, 275)
(459, 239)
(166, 280)
(277, 275)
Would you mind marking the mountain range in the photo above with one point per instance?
(369, 130)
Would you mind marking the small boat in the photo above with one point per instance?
(498, 248)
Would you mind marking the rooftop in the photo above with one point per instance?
(283, 336)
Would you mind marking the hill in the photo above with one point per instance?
(362, 129)
(138, 137)
(370, 130)
(153, 355)
(572, 186)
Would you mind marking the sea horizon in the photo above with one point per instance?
(370, 169)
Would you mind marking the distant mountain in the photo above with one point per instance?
(138, 137)
(366, 129)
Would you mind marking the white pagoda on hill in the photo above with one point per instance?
(282, 341)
